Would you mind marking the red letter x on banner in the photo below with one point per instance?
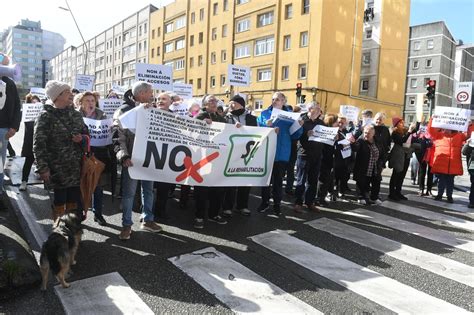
(191, 169)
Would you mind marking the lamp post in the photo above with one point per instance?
(86, 49)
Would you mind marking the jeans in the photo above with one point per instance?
(425, 171)
(290, 172)
(162, 191)
(471, 194)
(446, 182)
(98, 196)
(3, 154)
(128, 194)
(307, 175)
(239, 195)
(278, 172)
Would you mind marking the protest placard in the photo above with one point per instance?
(181, 150)
(183, 90)
(346, 150)
(238, 75)
(40, 92)
(119, 89)
(452, 118)
(350, 112)
(324, 134)
(289, 116)
(160, 76)
(109, 106)
(84, 82)
(180, 109)
(30, 111)
(100, 131)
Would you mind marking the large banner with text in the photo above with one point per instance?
(182, 150)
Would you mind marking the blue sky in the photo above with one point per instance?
(458, 15)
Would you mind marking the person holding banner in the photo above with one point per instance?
(326, 174)
(283, 151)
(141, 92)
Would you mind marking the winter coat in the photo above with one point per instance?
(309, 149)
(469, 153)
(10, 114)
(283, 149)
(447, 151)
(203, 114)
(53, 146)
(27, 147)
(383, 138)
(361, 166)
(123, 138)
(398, 154)
(245, 119)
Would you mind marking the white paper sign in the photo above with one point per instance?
(463, 92)
(238, 75)
(128, 120)
(109, 106)
(451, 118)
(30, 111)
(40, 92)
(346, 152)
(119, 89)
(471, 140)
(284, 115)
(350, 112)
(84, 82)
(180, 109)
(324, 134)
(182, 150)
(183, 90)
(100, 131)
(160, 76)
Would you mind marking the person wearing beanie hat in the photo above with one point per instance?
(239, 99)
(395, 121)
(57, 147)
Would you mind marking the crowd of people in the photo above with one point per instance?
(57, 138)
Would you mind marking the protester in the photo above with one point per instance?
(424, 155)
(290, 168)
(194, 109)
(341, 163)
(58, 135)
(447, 161)
(112, 95)
(76, 99)
(283, 151)
(366, 115)
(27, 148)
(469, 153)
(202, 194)
(326, 175)
(239, 195)
(141, 93)
(308, 161)
(382, 135)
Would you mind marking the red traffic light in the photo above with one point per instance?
(432, 83)
(298, 85)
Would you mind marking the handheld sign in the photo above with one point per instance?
(84, 82)
(350, 112)
(30, 111)
(40, 92)
(100, 131)
(183, 90)
(160, 76)
(109, 106)
(238, 75)
(326, 135)
(451, 118)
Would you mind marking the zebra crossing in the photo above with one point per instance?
(243, 290)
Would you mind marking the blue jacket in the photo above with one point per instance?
(283, 149)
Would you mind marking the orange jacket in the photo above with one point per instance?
(447, 151)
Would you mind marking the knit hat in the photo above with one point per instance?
(54, 88)
(395, 121)
(239, 99)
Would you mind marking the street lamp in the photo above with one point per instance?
(86, 49)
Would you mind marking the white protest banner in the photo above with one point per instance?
(40, 92)
(238, 75)
(160, 76)
(128, 120)
(100, 131)
(324, 134)
(350, 112)
(183, 90)
(84, 82)
(109, 106)
(30, 111)
(181, 150)
(451, 118)
(463, 92)
(180, 109)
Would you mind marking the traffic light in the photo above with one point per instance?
(303, 99)
(430, 89)
(298, 89)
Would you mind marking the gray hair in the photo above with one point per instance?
(206, 98)
(140, 86)
(369, 127)
(169, 93)
(312, 105)
(381, 115)
(280, 94)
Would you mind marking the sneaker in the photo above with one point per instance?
(263, 207)
(362, 202)
(376, 201)
(227, 213)
(244, 211)
(450, 199)
(100, 219)
(151, 226)
(276, 210)
(198, 223)
(313, 208)
(23, 186)
(327, 198)
(218, 219)
(125, 233)
(298, 209)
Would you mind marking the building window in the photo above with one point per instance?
(200, 60)
(213, 57)
(193, 18)
(191, 62)
(158, 32)
(412, 100)
(199, 83)
(287, 42)
(201, 37)
(214, 33)
(305, 7)
(416, 64)
(416, 45)
(302, 71)
(158, 51)
(212, 81)
(413, 83)
(429, 63)
(169, 28)
(265, 19)
(223, 55)
(258, 104)
(224, 30)
(222, 79)
(264, 46)
(169, 64)
(243, 25)
(180, 22)
(429, 44)
(201, 14)
(368, 33)
(152, 34)
(366, 59)
(179, 64)
(288, 11)
(191, 40)
(180, 43)
(191, 81)
(426, 80)
(364, 85)
(303, 39)
(169, 47)
(225, 5)
(242, 1)
(152, 52)
(242, 51)
(215, 8)
(264, 75)
(285, 72)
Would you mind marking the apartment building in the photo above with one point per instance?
(110, 56)
(343, 52)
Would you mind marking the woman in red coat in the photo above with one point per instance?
(447, 162)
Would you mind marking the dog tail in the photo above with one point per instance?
(56, 252)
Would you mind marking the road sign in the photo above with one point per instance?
(463, 92)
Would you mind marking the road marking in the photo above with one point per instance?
(382, 290)
(415, 229)
(104, 294)
(434, 263)
(238, 287)
(440, 204)
(427, 214)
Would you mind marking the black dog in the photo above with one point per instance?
(59, 251)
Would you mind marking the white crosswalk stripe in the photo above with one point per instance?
(387, 292)
(437, 264)
(428, 200)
